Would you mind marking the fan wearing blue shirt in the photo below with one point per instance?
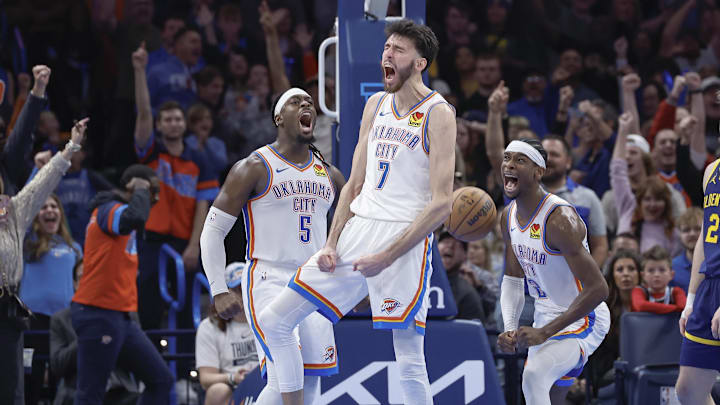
(690, 225)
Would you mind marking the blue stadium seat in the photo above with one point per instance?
(649, 355)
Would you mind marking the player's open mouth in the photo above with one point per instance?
(389, 72)
(510, 182)
(306, 121)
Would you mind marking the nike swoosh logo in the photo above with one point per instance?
(384, 113)
(512, 229)
(281, 170)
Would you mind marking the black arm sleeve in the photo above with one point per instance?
(689, 176)
(137, 212)
(19, 143)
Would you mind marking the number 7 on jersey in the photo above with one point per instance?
(384, 168)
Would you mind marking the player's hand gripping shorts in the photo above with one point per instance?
(263, 282)
(398, 295)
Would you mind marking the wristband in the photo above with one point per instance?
(231, 380)
(72, 146)
(689, 300)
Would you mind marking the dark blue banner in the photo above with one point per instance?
(459, 362)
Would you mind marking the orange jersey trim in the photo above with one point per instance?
(409, 308)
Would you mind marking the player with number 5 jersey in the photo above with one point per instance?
(284, 191)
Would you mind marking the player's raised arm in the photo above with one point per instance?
(351, 189)
(565, 232)
(441, 136)
(512, 291)
(246, 176)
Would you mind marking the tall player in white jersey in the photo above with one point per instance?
(546, 245)
(284, 191)
(398, 193)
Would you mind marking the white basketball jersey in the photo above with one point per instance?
(548, 275)
(397, 174)
(287, 223)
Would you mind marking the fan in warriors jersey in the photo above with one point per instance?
(546, 245)
(284, 191)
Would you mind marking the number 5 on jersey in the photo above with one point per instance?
(304, 233)
(384, 168)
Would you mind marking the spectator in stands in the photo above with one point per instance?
(623, 276)
(236, 76)
(652, 95)
(480, 274)
(640, 167)
(655, 295)
(75, 191)
(463, 77)
(173, 79)
(569, 72)
(592, 128)
(200, 128)
(107, 294)
(210, 85)
(16, 215)
(170, 26)
(625, 241)
(122, 389)
(488, 74)
(187, 187)
(17, 146)
(48, 136)
(585, 201)
(453, 253)
(689, 225)
(648, 213)
(710, 87)
(664, 154)
(225, 349)
(51, 260)
(538, 109)
(229, 25)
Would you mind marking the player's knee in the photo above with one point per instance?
(218, 394)
(533, 377)
(685, 391)
(272, 324)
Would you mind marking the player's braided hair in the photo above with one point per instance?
(315, 151)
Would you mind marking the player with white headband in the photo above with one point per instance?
(546, 246)
(284, 190)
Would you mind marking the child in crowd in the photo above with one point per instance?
(655, 295)
(690, 225)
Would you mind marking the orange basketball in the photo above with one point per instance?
(473, 214)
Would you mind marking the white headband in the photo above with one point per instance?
(286, 96)
(527, 150)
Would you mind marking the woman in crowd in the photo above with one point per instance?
(16, 215)
(224, 350)
(647, 212)
(200, 124)
(622, 276)
(51, 260)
